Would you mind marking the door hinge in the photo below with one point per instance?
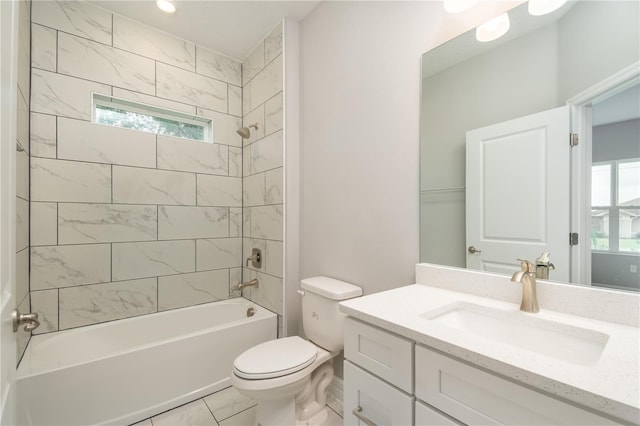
(573, 239)
(574, 140)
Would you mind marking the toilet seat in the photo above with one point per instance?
(275, 358)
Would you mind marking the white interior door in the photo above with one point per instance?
(517, 193)
(8, 123)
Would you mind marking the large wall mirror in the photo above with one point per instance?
(499, 179)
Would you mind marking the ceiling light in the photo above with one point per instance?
(495, 28)
(166, 6)
(457, 6)
(542, 7)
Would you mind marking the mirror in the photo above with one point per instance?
(539, 65)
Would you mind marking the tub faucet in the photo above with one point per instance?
(527, 276)
(252, 283)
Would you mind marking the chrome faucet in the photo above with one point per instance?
(252, 283)
(527, 276)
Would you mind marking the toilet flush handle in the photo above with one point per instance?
(301, 292)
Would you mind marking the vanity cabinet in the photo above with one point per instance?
(390, 380)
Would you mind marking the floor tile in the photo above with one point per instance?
(193, 414)
(227, 402)
(244, 418)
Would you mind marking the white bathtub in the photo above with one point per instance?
(128, 370)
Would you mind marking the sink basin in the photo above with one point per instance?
(564, 342)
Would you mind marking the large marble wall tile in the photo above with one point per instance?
(253, 63)
(66, 266)
(274, 258)
(235, 222)
(219, 191)
(275, 181)
(103, 223)
(44, 224)
(254, 190)
(153, 101)
(87, 59)
(62, 95)
(155, 258)
(146, 41)
(273, 44)
(43, 135)
(22, 224)
(84, 141)
(175, 222)
(267, 83)
(22, 274)
(72, 181)
(269, 293)
(190, 156)
(177, 291)
(74, 17)
(22, 135)
(255, 117)
(266, 222)
(45, 303)
(273, 114)
(235, 277)
(218, 66)
(246, 222)
(43, 47)
(22, 175)
(91, 304)
(235, 161)
(266, 154)
(235, 101)
(225, 127)
(218, 253)
(134, 185)
(184, 86)
(246, 99)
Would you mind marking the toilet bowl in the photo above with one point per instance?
(289, 377)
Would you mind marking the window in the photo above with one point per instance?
(131, 115)
(615, 206)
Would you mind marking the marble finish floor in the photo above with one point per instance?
(224, 408)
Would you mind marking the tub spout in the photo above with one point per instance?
(252, 283)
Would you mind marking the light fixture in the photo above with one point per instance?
(542, 7)
(493, 29)
(166, 6)
(457, 6)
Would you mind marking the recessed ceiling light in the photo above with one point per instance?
(495, 28)
(166, 6)
(542, 7)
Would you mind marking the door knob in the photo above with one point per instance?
(473, 250)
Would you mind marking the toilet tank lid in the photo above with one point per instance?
(331, 288)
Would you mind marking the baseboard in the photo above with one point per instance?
(334, 395)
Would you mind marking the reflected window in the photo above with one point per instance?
(615, 206)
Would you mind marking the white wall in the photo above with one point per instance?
(360, 83)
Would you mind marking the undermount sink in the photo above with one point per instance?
(550, 338)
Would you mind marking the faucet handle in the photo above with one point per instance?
(527, 266)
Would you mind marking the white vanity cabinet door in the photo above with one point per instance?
(384, 354)
(474, 396)
(380, 402)
(428, 416)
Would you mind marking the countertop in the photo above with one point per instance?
(611, 386)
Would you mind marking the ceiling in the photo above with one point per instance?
(232, 28)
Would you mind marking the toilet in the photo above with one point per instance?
(289, 377)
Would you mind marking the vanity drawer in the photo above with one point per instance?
(379, 402)
(384, 354)
(474, 396)
(426, 415)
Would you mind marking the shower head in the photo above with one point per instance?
(245, 132)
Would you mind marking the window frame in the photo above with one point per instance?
(108, 101)
(614, 208)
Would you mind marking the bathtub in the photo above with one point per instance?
(125, 371)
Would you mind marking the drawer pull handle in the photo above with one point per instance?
(357, 412)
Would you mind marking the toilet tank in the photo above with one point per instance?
(322, 321)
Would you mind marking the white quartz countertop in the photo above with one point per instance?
(611, 385)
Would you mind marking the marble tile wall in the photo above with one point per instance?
(23, 156)
(262, 84)
(126, 223)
